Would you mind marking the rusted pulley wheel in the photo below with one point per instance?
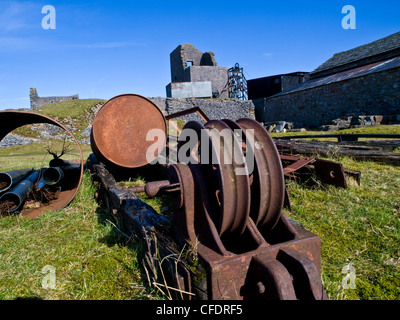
(228, 192)
(268, 185)
(236, 186)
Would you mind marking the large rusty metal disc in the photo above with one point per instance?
(120, 128)
(268, 187)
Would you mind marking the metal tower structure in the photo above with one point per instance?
(237, 83)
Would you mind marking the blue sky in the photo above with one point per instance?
(100, 49)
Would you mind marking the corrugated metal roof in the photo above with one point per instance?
(345, 75)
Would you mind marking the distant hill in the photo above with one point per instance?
(76, 115)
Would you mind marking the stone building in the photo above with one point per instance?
(195, 74)
(361, 81)
(37, 102)
(268, 86)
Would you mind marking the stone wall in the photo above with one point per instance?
(373, 94)
(37, 102)
(218, 76)
(217, 109)
(11, 140)
(191, 65)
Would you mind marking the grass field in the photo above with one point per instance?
(359, 225)
(92, 259)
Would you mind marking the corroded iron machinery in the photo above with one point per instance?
(235, 222)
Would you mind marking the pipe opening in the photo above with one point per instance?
(5, 181)
(9, 202)
(52, 176)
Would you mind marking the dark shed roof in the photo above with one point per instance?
(345, 75)
(377, 50)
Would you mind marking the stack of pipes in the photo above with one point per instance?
(19, 186)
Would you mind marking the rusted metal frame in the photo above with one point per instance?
(11, 120)
(299, 163)
(189, 111)
(330, 172)
(273, 272)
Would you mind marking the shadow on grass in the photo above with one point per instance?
(117, 236)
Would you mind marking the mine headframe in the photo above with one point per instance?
(237, 83)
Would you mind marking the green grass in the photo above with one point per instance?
(90, 257)
(78, 110)
(36, 155)
(75, 109)
(358, 225)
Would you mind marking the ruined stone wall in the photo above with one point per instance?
(218, 76)
(203, 67)
(214, 108)
(374, 94)
(37, 102)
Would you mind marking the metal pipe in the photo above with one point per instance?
(18, 194)
(41, 184)
(153, 188)
(11, 178)
(53, 175)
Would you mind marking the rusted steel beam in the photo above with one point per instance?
(330, 172)
(197, 110)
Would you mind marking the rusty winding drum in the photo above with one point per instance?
(120, 128)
